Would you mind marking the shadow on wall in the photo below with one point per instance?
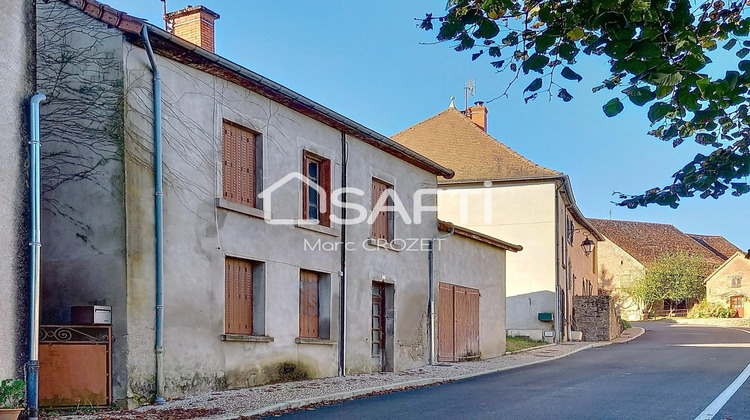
(522, 314)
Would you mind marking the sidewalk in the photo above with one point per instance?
(251, 402)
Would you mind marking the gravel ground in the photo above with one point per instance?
(230, 404)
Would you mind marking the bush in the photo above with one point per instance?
(705, 309)
(624, 324)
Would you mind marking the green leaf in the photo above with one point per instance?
(567, 51)
(743, 52)
(487, 29)
(477, 55)
(569, 74)
(576, 34)
(658, 111)
(744, 65)
(543, 42)
(535, 63)
(564, 95)
(534, 86)
(498, 64)
(662, 91)
(640, 96)
(613, 107)
(494, 52)
(729, 45)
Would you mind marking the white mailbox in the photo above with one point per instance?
(93, 314)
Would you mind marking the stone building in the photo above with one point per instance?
(500, 193)
(729, 285)
(262, 281)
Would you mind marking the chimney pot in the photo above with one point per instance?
(194, 24)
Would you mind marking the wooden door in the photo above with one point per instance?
(309, 308)
(378, 326)
(458, 323)
(737, 303)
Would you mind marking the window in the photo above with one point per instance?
(244, 296)
(570, 229)
(314, 304)
(736, 281)
(317, 170)
(240, 164)
(382, 227)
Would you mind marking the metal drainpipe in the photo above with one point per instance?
(35, 245)
(159, 224)
(431, 305)
(558, 315)
(342, 286)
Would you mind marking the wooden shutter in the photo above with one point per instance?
(308, 305)
(325, 183)
(380, 226)
(238, 296)
(238, 174)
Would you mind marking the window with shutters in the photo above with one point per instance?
(240, 164)
(735, 281)
(238, 296)
(382, 227)
(318, 171)
(314, 305)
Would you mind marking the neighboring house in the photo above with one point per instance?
(502, 194)
(246, 300)
(717, 244)
(729, 285)
(631, 248)
(16, 78)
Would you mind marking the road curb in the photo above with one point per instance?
(508, 353)
(419, 383)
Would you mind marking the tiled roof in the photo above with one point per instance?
(646, 242)
(453, 140)
(717, 244)
(477, 236)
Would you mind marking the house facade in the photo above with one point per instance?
(262, 281)
(729, 285)
(17, 80)
(500, 193)
(631, 247)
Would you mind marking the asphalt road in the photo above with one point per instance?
(671, 372)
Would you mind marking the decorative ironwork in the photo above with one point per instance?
(74, 333)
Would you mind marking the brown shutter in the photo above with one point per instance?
(238, 297)
(308, 305)
(380, 224)
(238, 164)
(305, 187)
(325, 183)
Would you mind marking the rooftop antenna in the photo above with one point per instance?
(469, 90)
(610, 214)
(166, 23)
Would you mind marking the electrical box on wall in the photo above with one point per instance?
(546, 316)
(93, 314)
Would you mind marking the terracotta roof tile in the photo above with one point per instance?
(453, 140)
(716, 244)
(646, 242)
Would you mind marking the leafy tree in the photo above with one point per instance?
(675, 276)
(657, 52)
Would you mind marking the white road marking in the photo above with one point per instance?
(722, 399)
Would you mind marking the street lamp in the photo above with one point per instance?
(587, 245)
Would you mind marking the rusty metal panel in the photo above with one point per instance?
(308, 305)
(238, 298)
(238, 169)
(75, 366)
(445, 323)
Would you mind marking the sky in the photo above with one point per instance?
(370, 62)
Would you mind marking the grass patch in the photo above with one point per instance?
(520, 343)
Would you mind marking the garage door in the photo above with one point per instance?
(458, 323)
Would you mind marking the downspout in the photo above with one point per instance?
(342, 284)
(158, 221)
(558, 308)
(431, 304)
(35, 245)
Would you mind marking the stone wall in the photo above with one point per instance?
(595, 317)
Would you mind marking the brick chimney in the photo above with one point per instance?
(478, 114)
(194, 24)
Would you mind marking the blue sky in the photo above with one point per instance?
(370, 62)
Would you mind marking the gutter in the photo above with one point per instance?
(158, 222)
(365, 134)
(431, 285)
(35, 245)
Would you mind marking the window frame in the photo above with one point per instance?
(735, 281)
(323, 180)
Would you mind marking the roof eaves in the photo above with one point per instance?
(479, 237)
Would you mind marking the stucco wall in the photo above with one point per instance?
(616, 269)
(199, 236)
(469, 263)
(518, 213)
(719, 286)
(80, 71)
(16, 78)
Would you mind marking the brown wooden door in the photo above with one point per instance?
(737, 303)
(458, 323)
(309, 308)
(378, 326)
